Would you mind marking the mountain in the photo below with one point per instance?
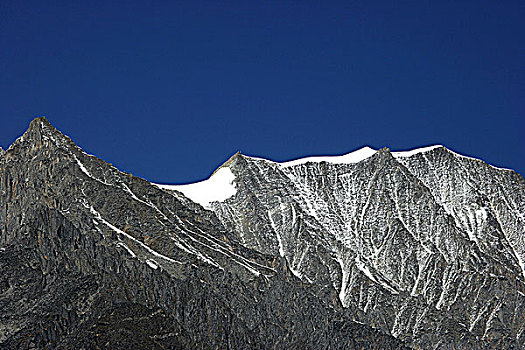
(371, 250)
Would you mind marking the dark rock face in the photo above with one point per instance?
(423, 251)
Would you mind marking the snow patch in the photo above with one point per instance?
(219, 187)
(152, 264)
(344, 282)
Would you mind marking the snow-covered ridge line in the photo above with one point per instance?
(220, 186)
(352, 157)
(415, 151)
(217, 188)
(349, 158)
(366, 152)
(480, 160)
(404, 154)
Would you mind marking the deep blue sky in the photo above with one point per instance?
(169, 90)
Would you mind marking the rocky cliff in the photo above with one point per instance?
(372, 250)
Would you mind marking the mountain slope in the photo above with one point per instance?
(95, 258)
(400, 259)
(374, 249)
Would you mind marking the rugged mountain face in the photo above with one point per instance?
(372, 250)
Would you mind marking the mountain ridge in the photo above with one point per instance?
(423, 251)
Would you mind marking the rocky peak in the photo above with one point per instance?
(232, 160)
(39, 128)
(40, 134)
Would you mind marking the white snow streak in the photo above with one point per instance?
(361, 266)
(344, 281)
(100, 218)
(122, 244)
(82, 167)
(85, 171)
(152, 264)
(276, 230)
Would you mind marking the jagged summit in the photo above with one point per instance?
(40, 126)
(41, 131)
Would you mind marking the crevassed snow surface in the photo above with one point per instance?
(217, 188)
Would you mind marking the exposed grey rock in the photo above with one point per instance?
(396, 251)
(95, 258)
(432, 271)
